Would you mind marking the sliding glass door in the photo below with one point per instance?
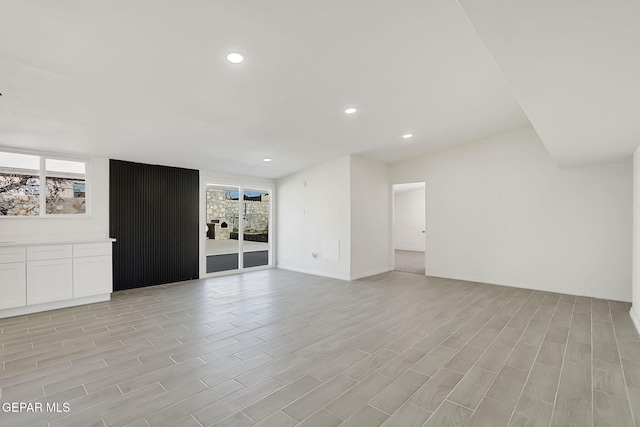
(223, 221)
(255, 239)
(237, 228)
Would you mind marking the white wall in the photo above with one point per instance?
(314, 214)
(95, 225)
(408, 220)
(500, 211)
(635, 308)
(370, 217)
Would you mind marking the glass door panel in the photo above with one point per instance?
(223, 224)
(255, 238)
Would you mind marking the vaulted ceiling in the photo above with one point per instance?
(148, 80)
(574, 67)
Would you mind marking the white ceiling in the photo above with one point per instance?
(147, 80)
(574, 66)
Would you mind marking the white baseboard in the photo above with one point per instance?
(635, 318)
(370, 273)
(592, 293)
(314, 272)
(526, 285)
(29, 309)
(335, 276)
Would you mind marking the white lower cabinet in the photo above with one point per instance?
(92, 276)
(49, 280)
(13, 286)
(48, 276)
(92, 269)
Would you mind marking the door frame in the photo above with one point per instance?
(243, 183)
(393, 220)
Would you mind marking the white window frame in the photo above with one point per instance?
(42, 197)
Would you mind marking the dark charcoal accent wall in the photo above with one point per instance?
(153, 215)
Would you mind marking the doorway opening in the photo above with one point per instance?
(409, 233)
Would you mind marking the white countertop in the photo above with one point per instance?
(68, 241)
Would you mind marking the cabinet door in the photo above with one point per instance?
(92, 276)
(49, 280)
(13, 286)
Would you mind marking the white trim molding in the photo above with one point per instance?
(635, 318)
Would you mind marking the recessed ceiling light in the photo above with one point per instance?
(235, 58)
(407, 135)
(350, 110)
(266, 159)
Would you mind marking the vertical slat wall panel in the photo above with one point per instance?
(153, 215)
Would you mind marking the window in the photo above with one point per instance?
(21, 192)
(63, 178)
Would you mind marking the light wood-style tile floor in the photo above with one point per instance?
(277, 348)
(409, 261)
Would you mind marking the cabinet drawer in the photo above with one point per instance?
(37, 253)
(12, 254)
(91, 249)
